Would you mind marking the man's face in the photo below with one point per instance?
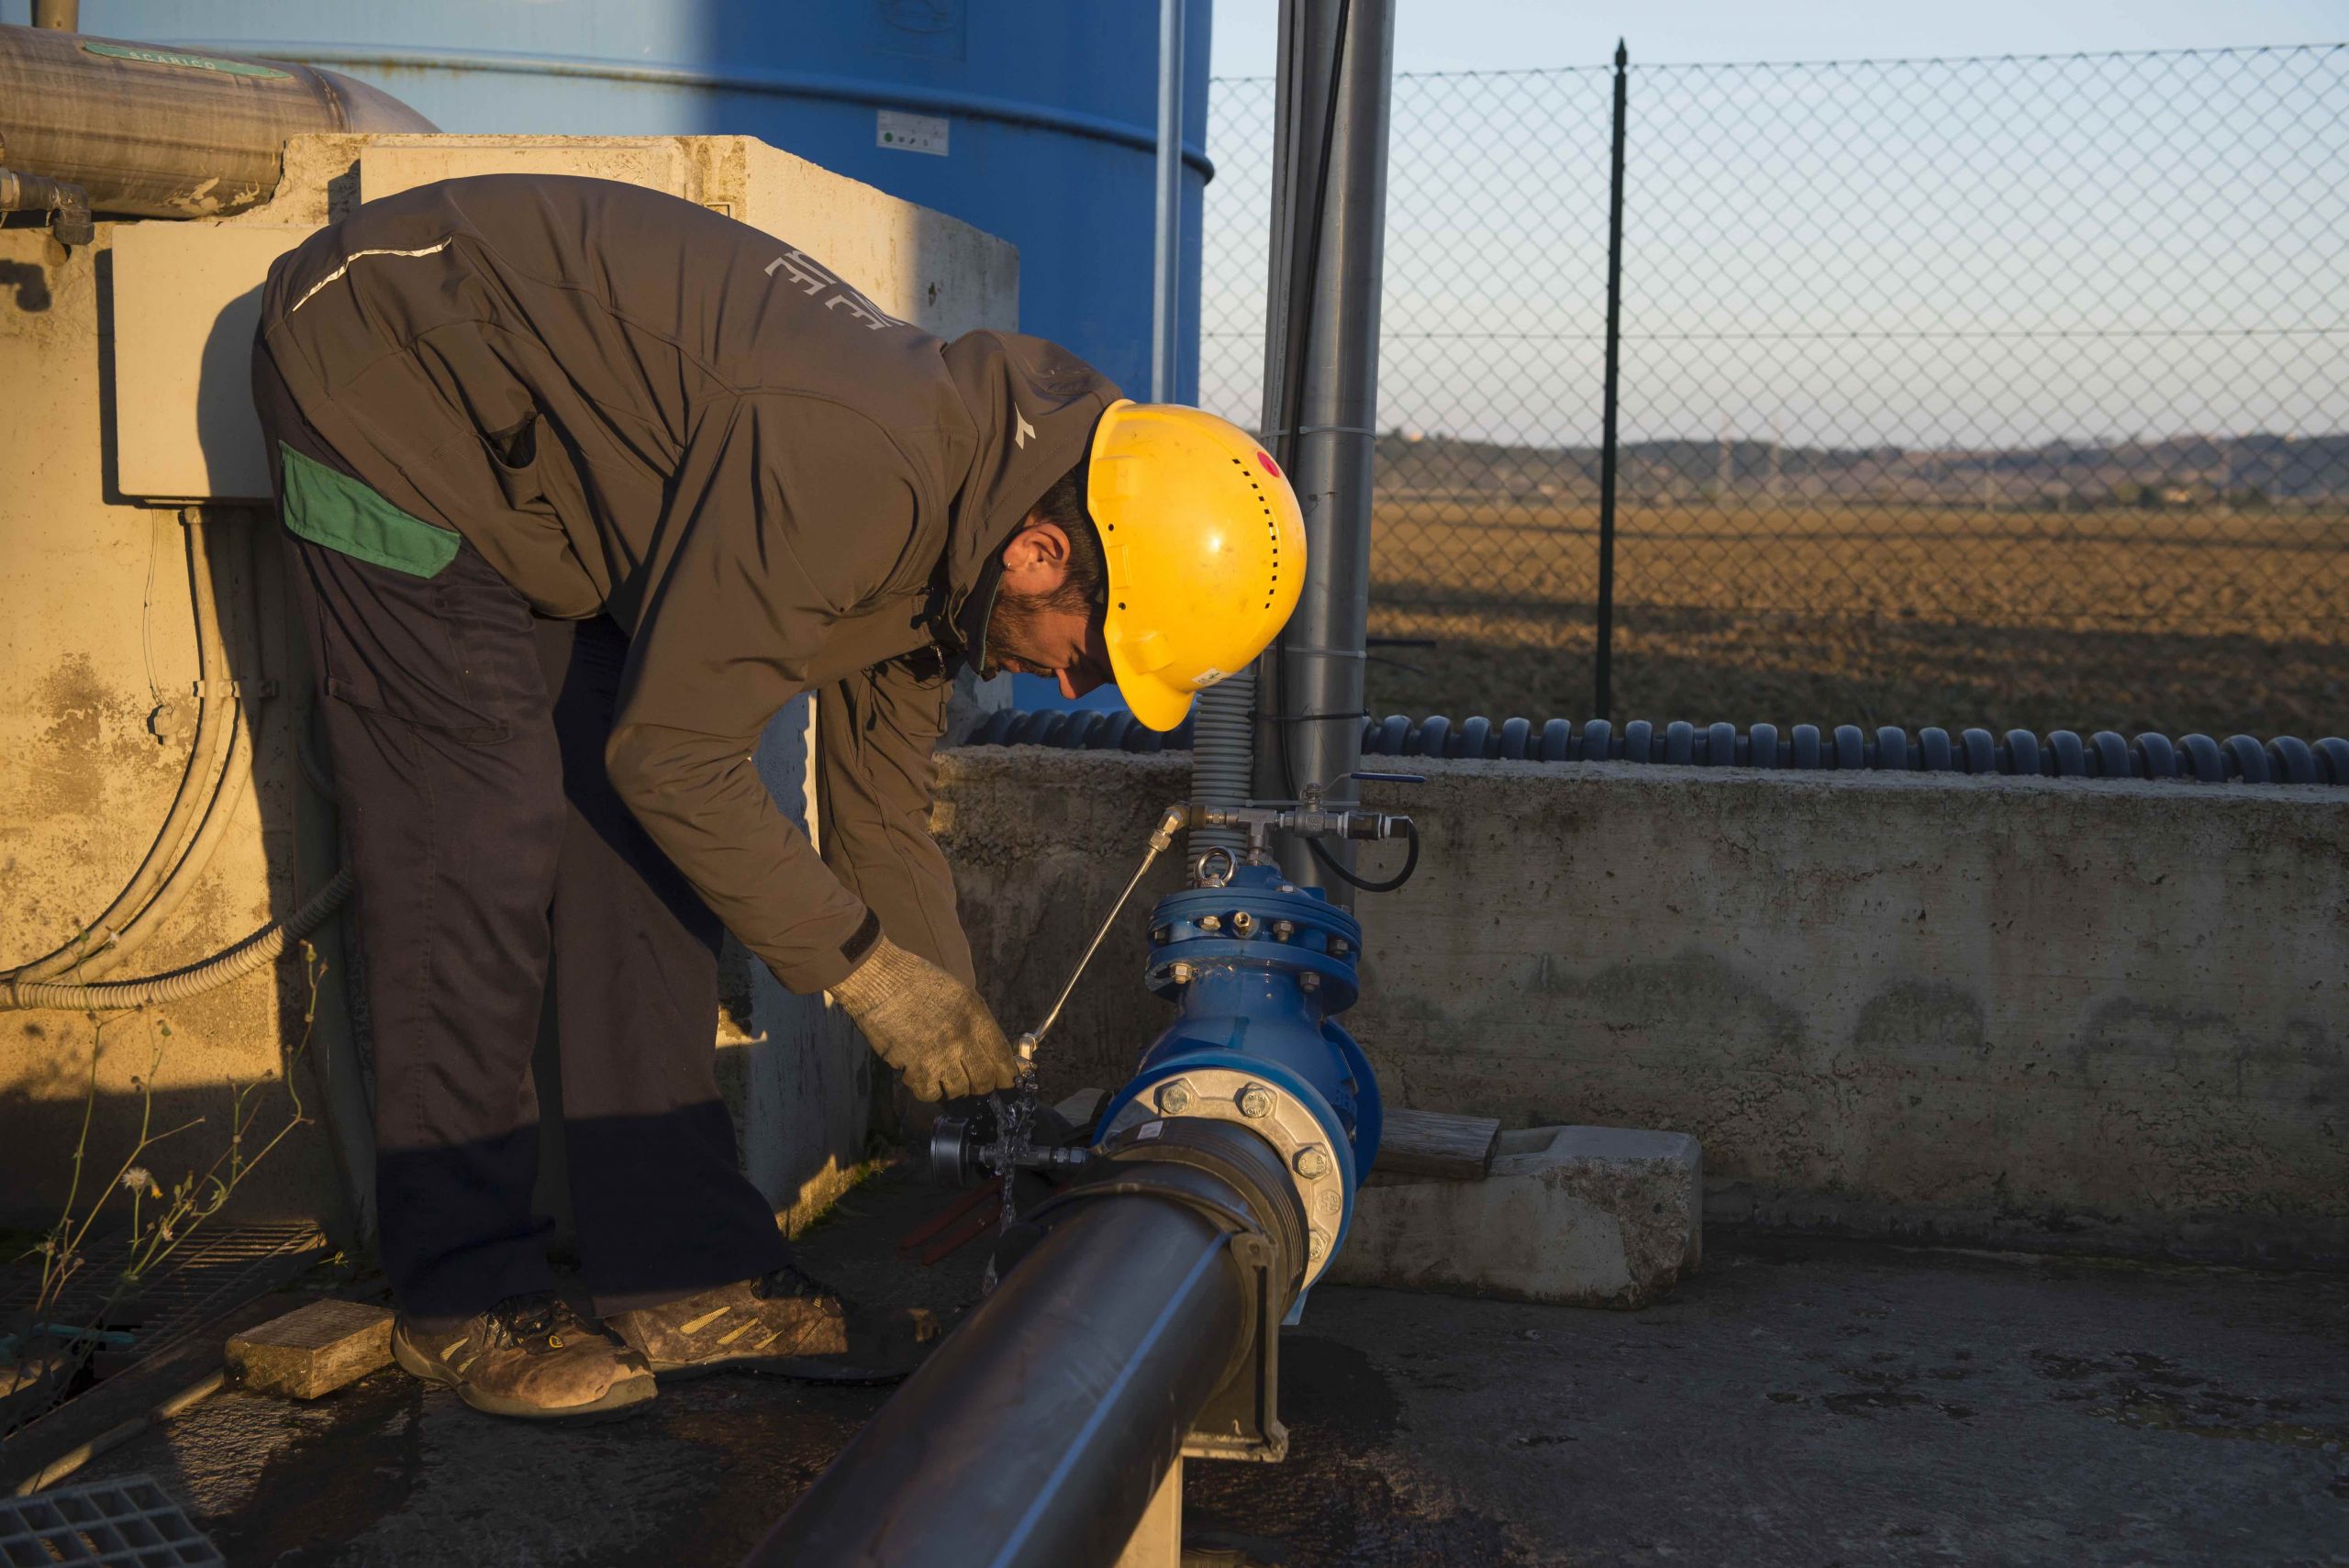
(1042, 623)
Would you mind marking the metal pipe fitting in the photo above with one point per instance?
(68, 205)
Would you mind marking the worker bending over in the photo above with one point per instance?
(583, 484)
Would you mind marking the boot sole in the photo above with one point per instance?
(620, 1400)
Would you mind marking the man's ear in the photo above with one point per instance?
(1038, 544)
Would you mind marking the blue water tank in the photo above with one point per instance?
(1033, 119)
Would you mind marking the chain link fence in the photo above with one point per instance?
(2011, 392)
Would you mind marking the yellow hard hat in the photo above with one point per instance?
(1206, 550)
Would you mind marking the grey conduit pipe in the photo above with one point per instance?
(1321, 399)
(261, 948)
(212, 767)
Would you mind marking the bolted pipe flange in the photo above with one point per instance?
(1298, 1136)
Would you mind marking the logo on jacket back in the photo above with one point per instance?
(813, 280)
(1021, 430)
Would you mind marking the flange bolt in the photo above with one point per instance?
(1179, 972)
(1242, 922)
(1311, 1161)
(1317, 1244)
(1309, 981)
(1255, 1101)
(1174, 1098)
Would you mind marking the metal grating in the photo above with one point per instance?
(214, 1272)
(127, 1520)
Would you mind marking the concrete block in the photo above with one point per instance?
(312, 1350)
(1577, 1216)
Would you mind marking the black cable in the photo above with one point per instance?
(1410, 865)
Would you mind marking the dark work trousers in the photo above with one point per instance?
(467, 737)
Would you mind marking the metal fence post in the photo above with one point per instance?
(1603, 678)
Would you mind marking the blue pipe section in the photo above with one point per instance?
(1264, 1005)
(2061, 753)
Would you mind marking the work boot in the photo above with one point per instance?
(781, 1322)
(529, 1356)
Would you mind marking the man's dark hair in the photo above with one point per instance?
(1086, 587)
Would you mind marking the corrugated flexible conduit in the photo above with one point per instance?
(209, 793)
(2061, 753)
(256, 951)
(1223, 757)
(212, 773)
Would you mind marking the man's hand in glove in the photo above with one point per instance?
(927, 1024)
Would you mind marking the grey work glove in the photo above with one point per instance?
(927, 1024)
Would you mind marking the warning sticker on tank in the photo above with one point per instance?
(903, 132)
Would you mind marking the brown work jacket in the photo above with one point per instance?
(631, 405)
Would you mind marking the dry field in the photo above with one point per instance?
(2122, 619)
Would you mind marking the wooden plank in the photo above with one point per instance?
(1433, 1143)
(313, 1350)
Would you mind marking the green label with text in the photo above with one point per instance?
(173, 57)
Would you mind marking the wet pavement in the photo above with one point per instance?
(1798, 1402)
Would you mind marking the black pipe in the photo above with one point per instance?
(1136, 1305)
(1037, 1432)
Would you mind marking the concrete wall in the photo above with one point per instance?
(97, 656)
(2064, 1013)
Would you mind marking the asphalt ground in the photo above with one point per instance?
(1798, 1402)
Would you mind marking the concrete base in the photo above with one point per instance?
(1579, 1216)
(1158, 1539)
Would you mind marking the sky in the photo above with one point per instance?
(2057, 249)
(1472, 35)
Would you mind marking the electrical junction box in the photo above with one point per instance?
(186, 298)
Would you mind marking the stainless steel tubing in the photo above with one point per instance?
(1223, 758)
(154, 132)
(1035, 1435)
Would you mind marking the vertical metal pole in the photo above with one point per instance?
(1603, 698)
(63, 14)
(1167, 281)
(1323, 362)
